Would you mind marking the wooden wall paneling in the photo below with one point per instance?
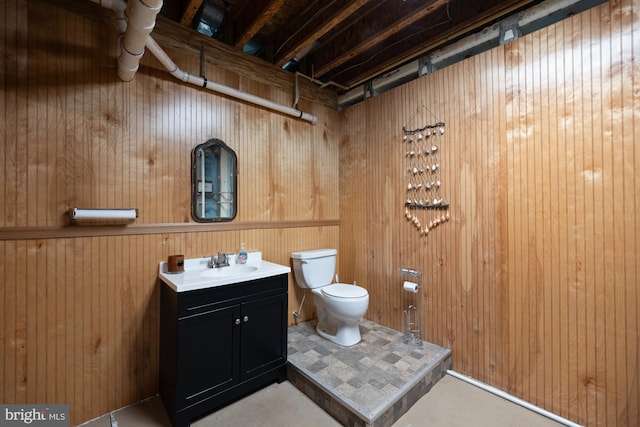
(39, 303)
(628, 312)
(565, 219)
(21, 341)
(391, 141)
(516, 110)
(632, 225)
(7, 331)
(377, 208)
(475, 197)
(534, 280)
(463, 286)
(15, 106)
(492, 301)
(560, 286)
(575, 202)
(607, 288)
(487, 236)
(584, 278)
(4, 71)
(353, 252)
(451, 249)
(502, 222)
(65, 250)
(557, 223)
(437, 282)
(595, 218)
(81, 327)
(544, 185)
(532, 215)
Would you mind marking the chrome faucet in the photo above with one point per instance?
(217, 261)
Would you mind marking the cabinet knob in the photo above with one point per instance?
(245, 319)
(237, 321)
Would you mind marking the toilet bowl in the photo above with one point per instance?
(340, 306)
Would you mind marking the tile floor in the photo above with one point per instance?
(369, 384)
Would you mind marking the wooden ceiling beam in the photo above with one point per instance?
(324, 60)
(252, 18)
(361, 74)
(190, 12)
(313, 25)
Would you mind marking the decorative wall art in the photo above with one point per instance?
(425, 206)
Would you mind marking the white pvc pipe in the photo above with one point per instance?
(118, 6)
(173, 69)
(513, 399)
(141, 18)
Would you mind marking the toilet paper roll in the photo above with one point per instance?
(410, 286)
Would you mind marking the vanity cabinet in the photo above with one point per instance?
(219, 344)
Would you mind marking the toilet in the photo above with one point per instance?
(340, 306)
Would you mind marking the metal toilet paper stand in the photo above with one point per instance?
(412, 301)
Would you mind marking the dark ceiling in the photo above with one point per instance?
(343, 41)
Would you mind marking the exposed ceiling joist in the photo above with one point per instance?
(339, 43)
(312, 25)
(253, 17)
(400, 56)
(403, 15)
(190, 11)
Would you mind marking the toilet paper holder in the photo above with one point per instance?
(412, 297)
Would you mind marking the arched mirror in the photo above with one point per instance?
(213, 182)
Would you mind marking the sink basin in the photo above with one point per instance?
(230, 271)
(197, 275)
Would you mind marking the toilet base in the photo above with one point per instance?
(346, 335)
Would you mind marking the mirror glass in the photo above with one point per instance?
(213, 182)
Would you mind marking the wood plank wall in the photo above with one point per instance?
(79, 309)
(534, 281)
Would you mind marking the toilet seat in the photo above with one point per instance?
(342, 290)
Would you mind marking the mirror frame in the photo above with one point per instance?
(195, 194)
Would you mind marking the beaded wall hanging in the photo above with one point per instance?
(424, 195)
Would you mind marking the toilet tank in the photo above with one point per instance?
(315, 268)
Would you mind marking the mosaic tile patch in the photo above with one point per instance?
(371, 383)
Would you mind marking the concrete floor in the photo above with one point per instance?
(451, 403)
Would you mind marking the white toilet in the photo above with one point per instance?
(340, 306)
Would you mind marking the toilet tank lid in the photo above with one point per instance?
(315, 253)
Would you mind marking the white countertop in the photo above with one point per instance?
(190, 279)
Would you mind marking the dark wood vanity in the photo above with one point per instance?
(219, 344)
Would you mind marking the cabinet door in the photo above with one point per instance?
(263, 345)
(208, 354)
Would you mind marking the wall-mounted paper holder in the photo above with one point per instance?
(119, 215)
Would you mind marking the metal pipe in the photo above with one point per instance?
(512, 398)
(297, 314)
